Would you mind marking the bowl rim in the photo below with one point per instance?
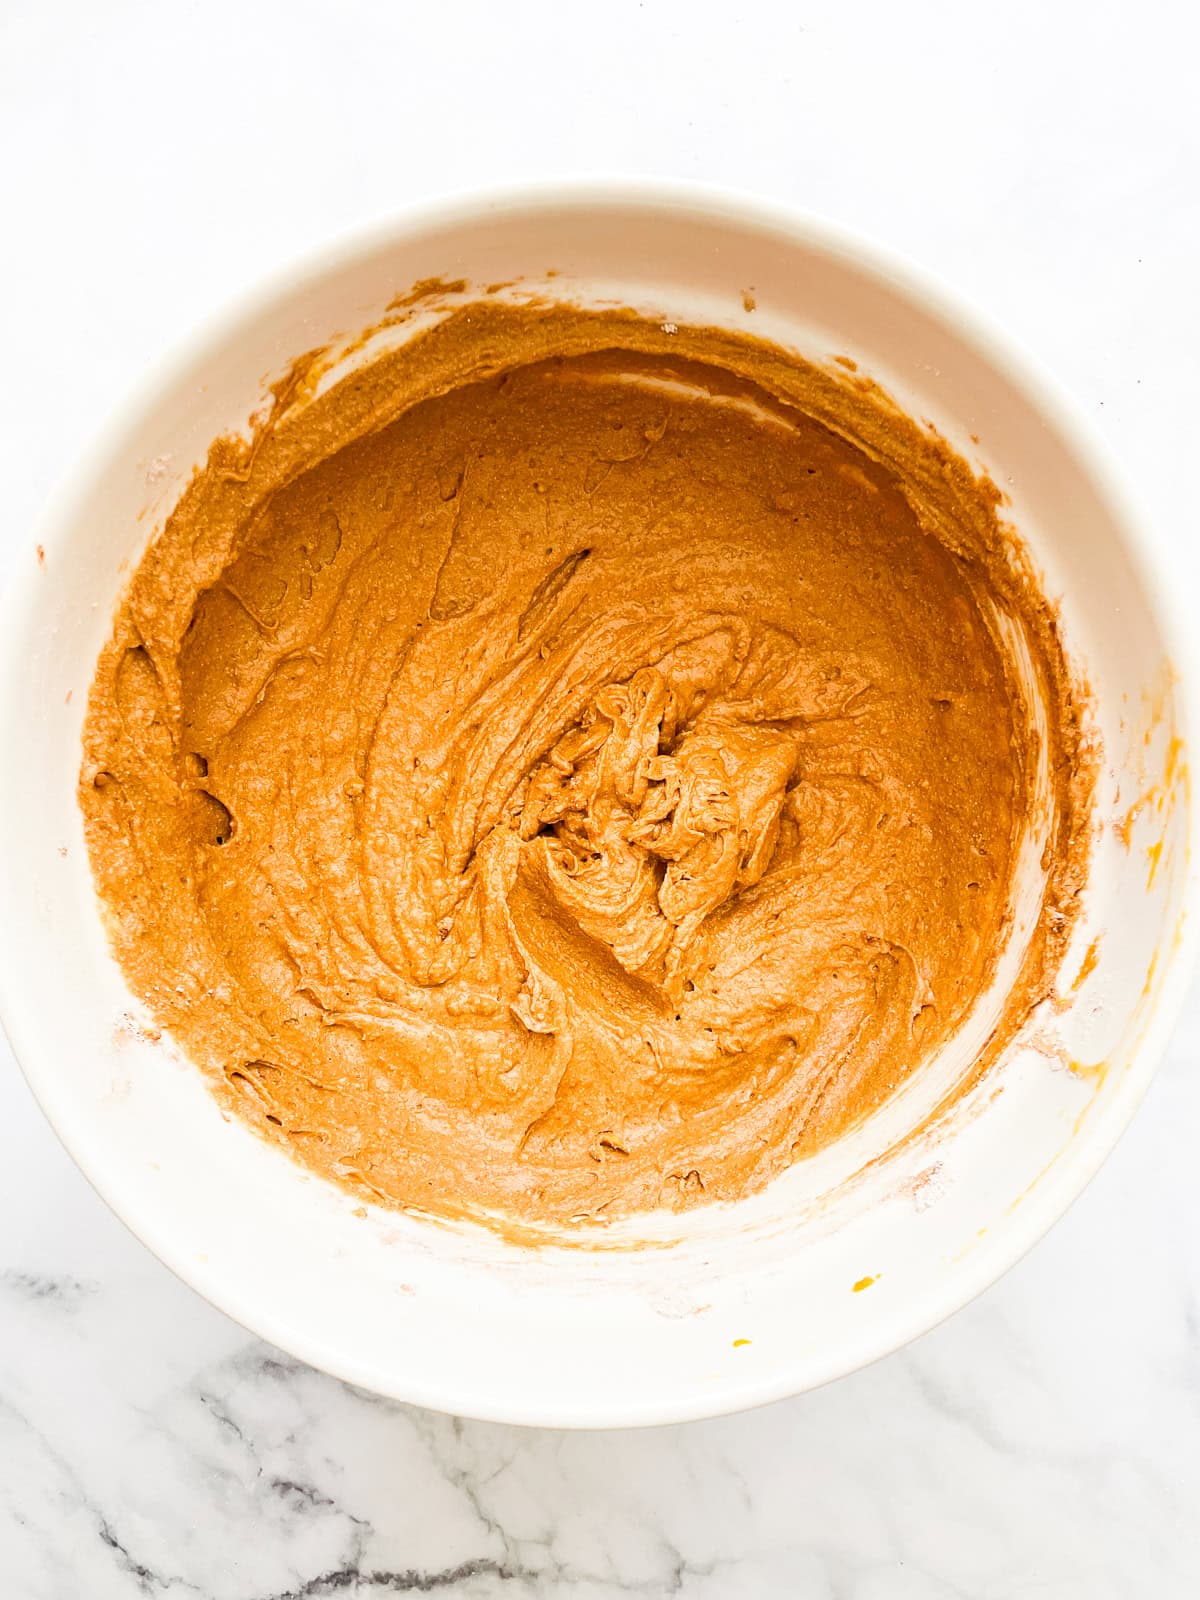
(749, 213)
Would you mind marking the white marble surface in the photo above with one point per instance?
(155, 158)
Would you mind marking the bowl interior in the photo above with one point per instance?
(729, 1305)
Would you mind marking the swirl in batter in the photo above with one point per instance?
(573, 767)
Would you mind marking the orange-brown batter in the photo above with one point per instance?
(573, 766)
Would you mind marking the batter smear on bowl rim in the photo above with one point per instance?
(572, 766)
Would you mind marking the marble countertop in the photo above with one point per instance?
(1045, 1442)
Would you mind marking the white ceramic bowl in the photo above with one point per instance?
(735, 1305)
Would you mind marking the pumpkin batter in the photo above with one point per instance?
(574, 765)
